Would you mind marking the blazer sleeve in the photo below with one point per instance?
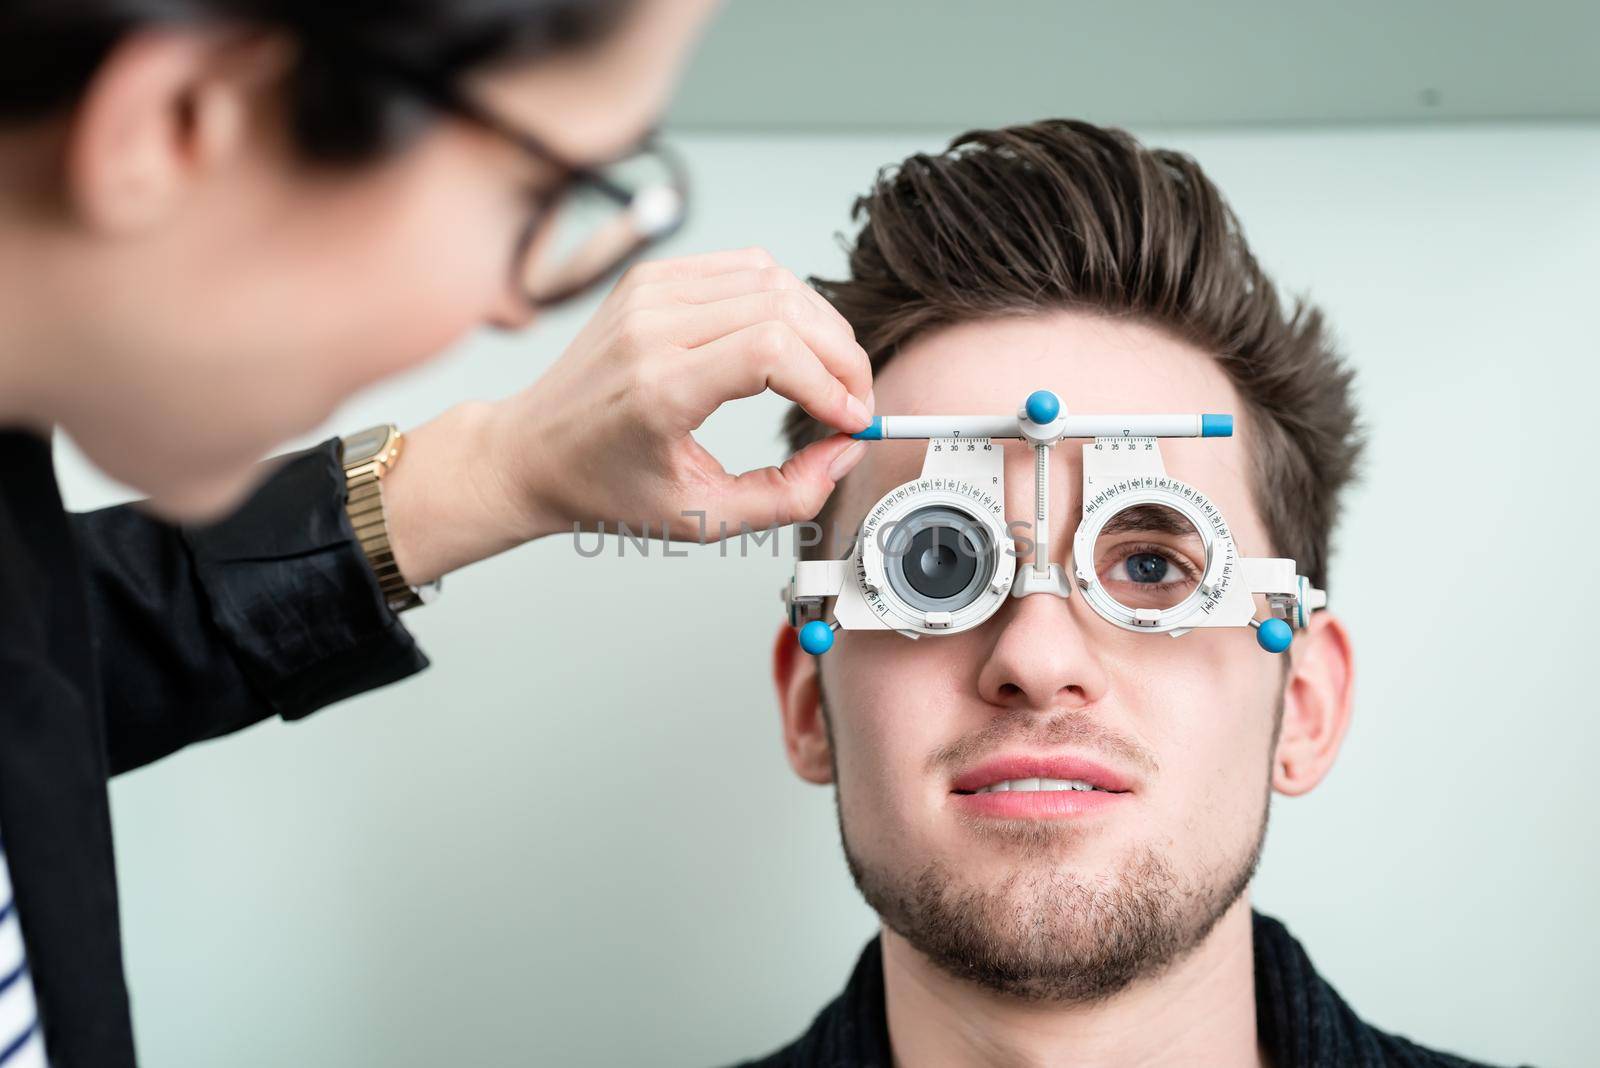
(203, 630)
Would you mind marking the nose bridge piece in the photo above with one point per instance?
(1041, 575)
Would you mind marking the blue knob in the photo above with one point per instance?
(1274, 635)
(816, 637)
(1042, 406)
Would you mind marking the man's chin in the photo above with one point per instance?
(1062, 929)
(1003, 845)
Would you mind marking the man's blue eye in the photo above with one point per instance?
(1146, 567)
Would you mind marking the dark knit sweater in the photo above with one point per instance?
(1301, 1021)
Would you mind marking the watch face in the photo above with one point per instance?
(363, 446)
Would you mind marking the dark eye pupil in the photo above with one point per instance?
(1147, 567)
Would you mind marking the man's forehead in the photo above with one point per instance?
(1094, 363)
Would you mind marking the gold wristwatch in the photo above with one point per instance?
(367, 456)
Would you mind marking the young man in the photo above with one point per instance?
(1064, 256)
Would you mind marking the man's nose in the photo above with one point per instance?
(1040, 658)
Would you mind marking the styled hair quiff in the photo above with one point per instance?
(1063, 214)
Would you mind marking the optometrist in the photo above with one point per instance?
(219, 219)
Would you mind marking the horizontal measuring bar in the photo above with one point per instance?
(886, 427)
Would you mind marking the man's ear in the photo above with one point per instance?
(166, 108)
(799, 682)
(1316, 705)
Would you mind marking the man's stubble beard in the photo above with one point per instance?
(1051, 935)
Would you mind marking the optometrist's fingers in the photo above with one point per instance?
(688, 268)
(717, 287)
(822, 329)
(606, 433)
(765, 355)
(793, 492)
(792, 301)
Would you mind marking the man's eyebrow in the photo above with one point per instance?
(1148, 519)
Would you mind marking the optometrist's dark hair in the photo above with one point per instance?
(344, 106)
(1066, 215)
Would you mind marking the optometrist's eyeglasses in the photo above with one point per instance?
(593, 219)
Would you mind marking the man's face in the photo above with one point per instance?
(1054, 906)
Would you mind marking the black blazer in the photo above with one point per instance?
(123, 639)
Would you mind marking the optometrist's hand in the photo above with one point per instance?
(607, 434)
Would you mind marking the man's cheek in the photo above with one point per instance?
(884, 764)
(870, 800)
(1215, 768)
(883, 748)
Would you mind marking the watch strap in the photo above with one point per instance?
(364, 504)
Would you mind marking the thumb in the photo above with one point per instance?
(795, 491)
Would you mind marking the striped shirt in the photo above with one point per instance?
(21, 1041)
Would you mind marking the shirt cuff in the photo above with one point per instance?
(293, 594)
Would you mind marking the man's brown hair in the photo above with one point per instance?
(1066, 215)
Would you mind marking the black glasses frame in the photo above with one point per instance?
(443, 94)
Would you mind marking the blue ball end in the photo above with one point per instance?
(1274, 635)
(816, 637)
(1042, 406)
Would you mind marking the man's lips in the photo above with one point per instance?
(1061, 795)
(1022, 766)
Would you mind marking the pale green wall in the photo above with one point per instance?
(831, 65)
(575, 841)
